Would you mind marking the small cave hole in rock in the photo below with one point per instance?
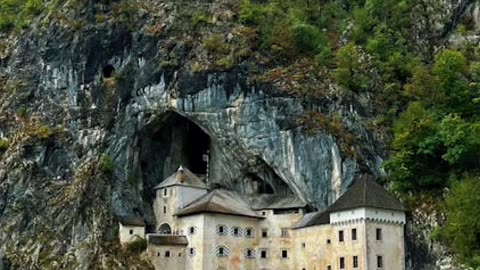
(108, 71)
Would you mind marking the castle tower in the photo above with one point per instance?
(172, 194)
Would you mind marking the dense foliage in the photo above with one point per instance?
(18, 13)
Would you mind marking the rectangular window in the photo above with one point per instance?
(342, 263)
(165, 192)
(379, 234)
(249, 232)
(329, 241)
(354, 234)
(284, 254)
(263, 254)
(167, 254)
(284, 232)
(355, 261)
(164, 209)
(329, 267)
(131, 232)
(304, 245)
(340, 236)
(379, 261)
(264, 233)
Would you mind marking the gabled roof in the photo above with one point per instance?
(312, 219)
(132, 221)
(268, 201)
(366, 192)
(167, 240)
(182, 177)
(219, 201)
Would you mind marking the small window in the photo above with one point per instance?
(303, 245)
(192, 251)
(354, 234)
(355, 261)
(158, 254)
(179, 254)
(165, 192)
(167, 254)
(329, 267)
(329, 241)
(222, 251)
(236, 231)
(284, 254)
(131, 232)
(379, 234)
(192, 230)
(340, 236)
(264, 233)
(342, 262)
(221, 230)
(379, 261)
(284, 233)
(249, 232)
(249, 254)
(263, 253)
(264, 213)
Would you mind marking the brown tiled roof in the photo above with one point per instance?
(366, 192)
(219, 201)
(132, 221)
(167, 240)
(312, 219)
(267, 201)
(182, 177)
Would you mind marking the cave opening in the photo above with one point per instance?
(108, 71)
(170, 142)
(261, 186)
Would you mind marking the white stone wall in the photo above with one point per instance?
(391, 247)
(130, 233)
(368, 213)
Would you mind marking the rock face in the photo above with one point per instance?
(130, 90)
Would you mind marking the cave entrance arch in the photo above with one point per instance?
(165, 229)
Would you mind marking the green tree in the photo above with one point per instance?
(462, 229)
(350, 71)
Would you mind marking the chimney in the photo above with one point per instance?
(180, 175)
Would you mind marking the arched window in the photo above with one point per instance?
(222, 230)
(249, 253)
(222, 251)
(165, 229)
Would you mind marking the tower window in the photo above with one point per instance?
(379, 261)
(284, 254)
(340, 236)
(263, 254)
(329, 241)
(379, 234)
(165, 192)
(355, 261)
(167, 254)
(264, 233)
(342, 262)
(304, 245)
(164, 209)
(192, 251)
(131, 232)
(354, 234)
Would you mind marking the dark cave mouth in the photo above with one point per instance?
(175, 140)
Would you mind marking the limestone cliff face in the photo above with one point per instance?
(137, 88)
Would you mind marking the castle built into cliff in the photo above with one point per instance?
(203, 228)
